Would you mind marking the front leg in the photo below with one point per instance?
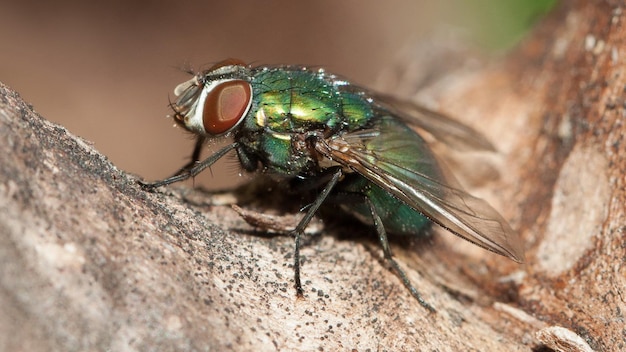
(191, 172)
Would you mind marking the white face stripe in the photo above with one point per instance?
(194, 118)
(181, 88)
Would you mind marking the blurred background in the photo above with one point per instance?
(105, 70)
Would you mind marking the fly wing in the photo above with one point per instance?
(395, 158)
(441, 126)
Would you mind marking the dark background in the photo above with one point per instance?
(105, 70)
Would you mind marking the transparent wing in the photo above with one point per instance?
(395, 158)
(441, 126)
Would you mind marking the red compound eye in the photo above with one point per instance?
(225, 106)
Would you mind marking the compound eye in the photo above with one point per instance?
(225, 106)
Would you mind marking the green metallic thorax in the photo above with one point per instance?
(292, 102)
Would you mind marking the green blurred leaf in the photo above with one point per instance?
(498, 24)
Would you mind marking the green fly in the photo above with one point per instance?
(300, 123)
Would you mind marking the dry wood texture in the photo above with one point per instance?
(89, 261)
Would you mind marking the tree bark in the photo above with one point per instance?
(90, 261)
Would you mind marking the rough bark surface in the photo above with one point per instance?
(89, 261)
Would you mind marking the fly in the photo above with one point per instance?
(307, 124)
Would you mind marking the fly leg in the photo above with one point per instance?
(184, 173)
(299, 230)
(382, 237)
